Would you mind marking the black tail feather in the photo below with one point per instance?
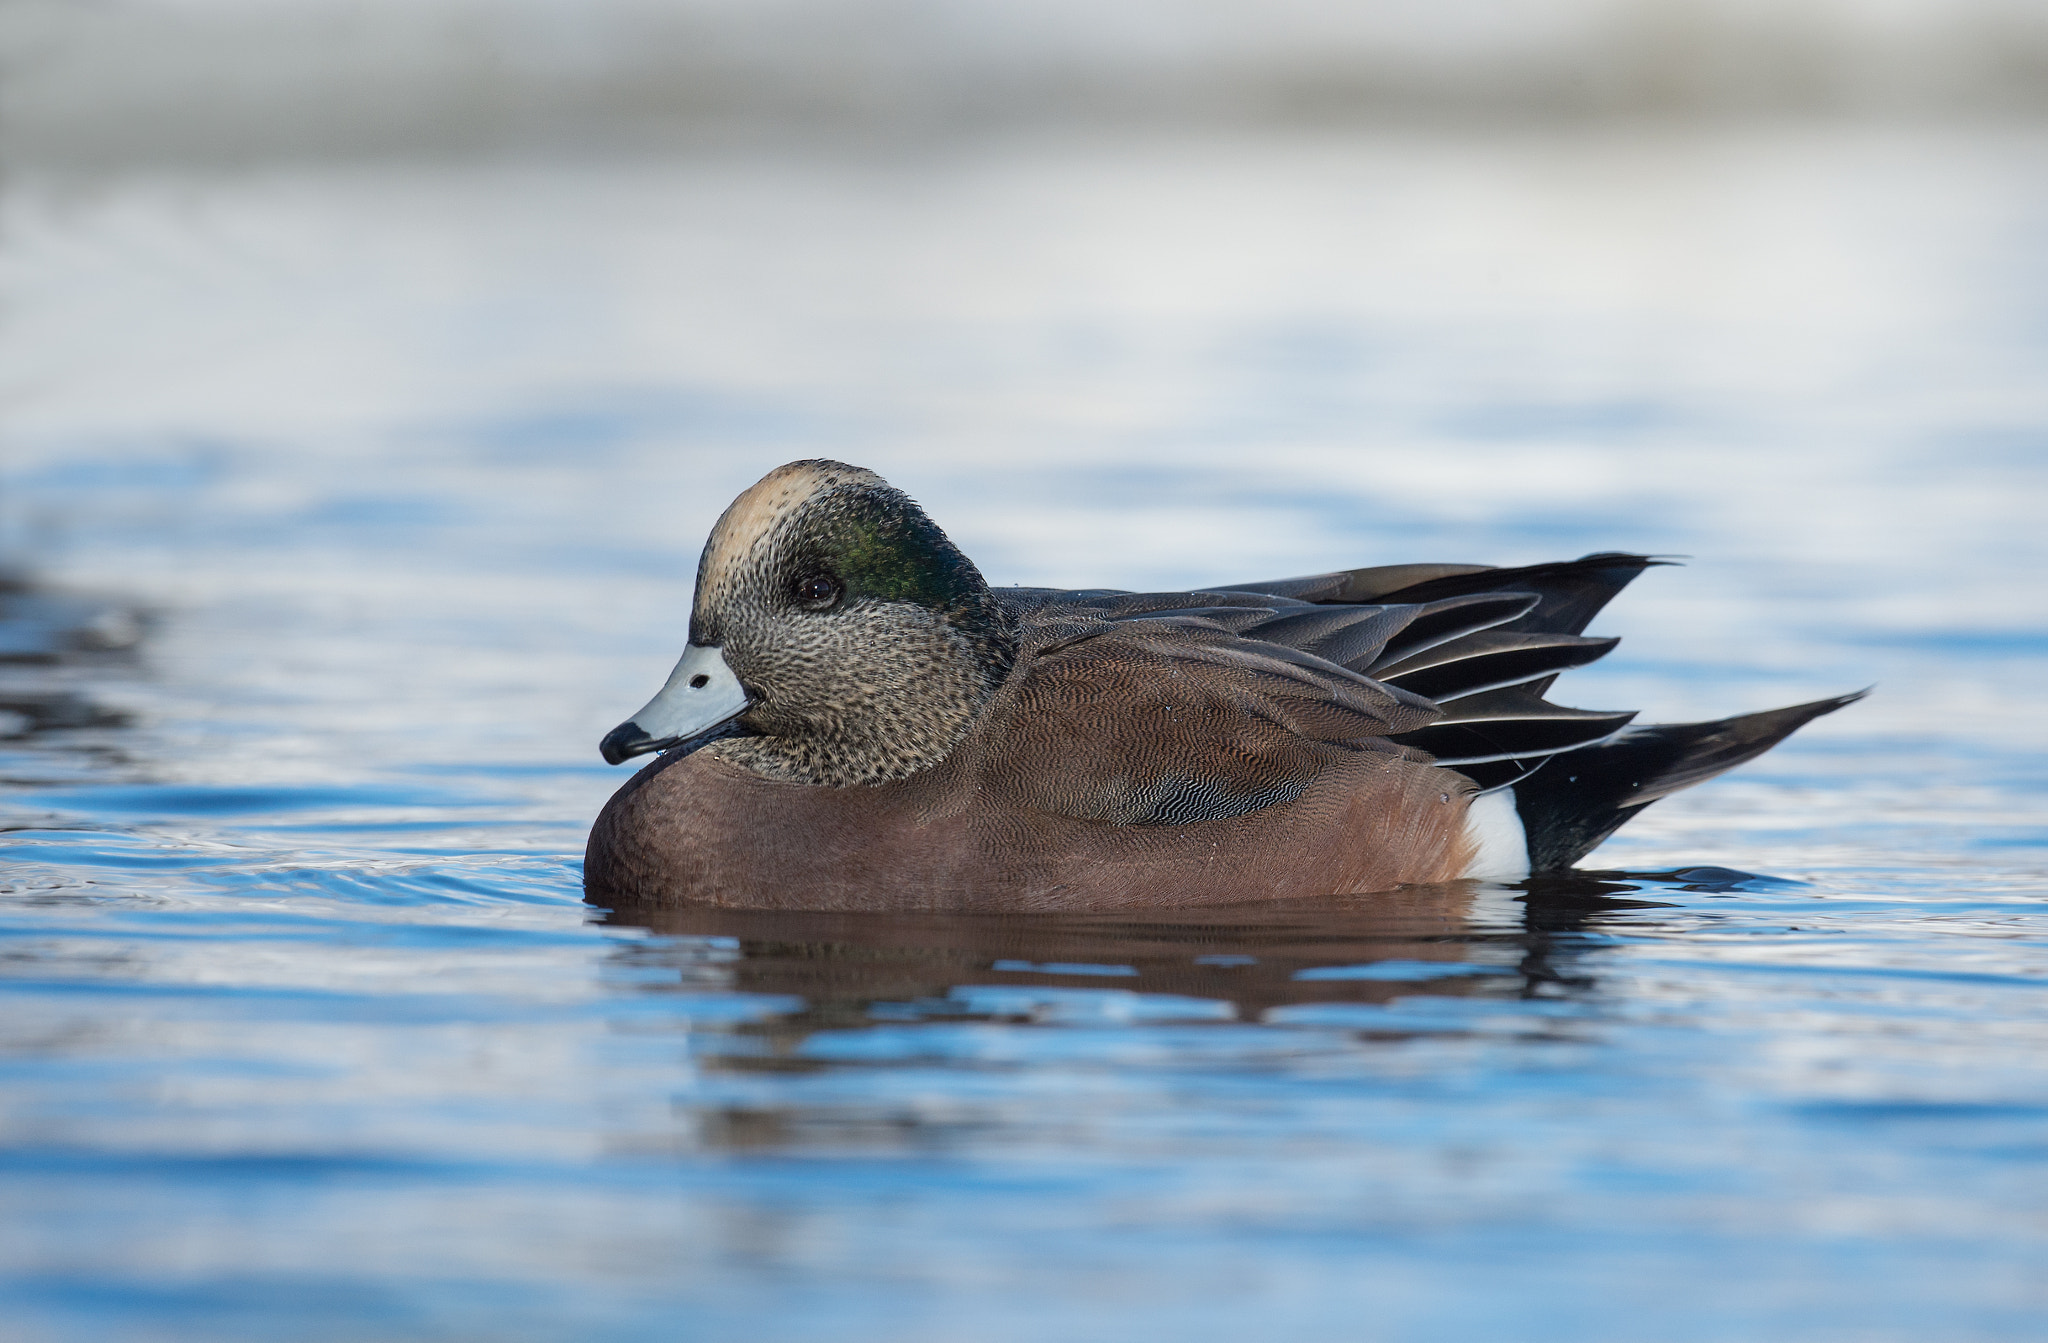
(1489, 660)
(1577, 799)
(1571, 591)
(1509, 725)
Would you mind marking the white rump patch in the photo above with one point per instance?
(1500, 847)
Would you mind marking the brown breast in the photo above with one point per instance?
(696, 830)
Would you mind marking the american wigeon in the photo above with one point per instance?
(860, 722)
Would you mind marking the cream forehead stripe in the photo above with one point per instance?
(760, 511)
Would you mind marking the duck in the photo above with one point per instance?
(860, 722)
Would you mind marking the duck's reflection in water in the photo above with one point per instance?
(838, 978)
(861, 969)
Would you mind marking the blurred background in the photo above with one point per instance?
(127, 81)
(371, 371)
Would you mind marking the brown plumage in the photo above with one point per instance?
(862, 723)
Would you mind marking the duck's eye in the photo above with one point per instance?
(818, 591)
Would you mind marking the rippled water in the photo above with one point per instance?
(365, 500)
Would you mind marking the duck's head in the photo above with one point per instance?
(837, 636)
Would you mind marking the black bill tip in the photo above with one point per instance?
(627, 740)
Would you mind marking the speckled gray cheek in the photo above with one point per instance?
(861, 696)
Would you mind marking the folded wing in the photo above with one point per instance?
(1205, 724)
(1450, 661)
(1482, 644)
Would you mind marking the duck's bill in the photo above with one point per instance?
(702, 694)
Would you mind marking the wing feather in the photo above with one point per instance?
(1161, 722)
(1451, 660)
